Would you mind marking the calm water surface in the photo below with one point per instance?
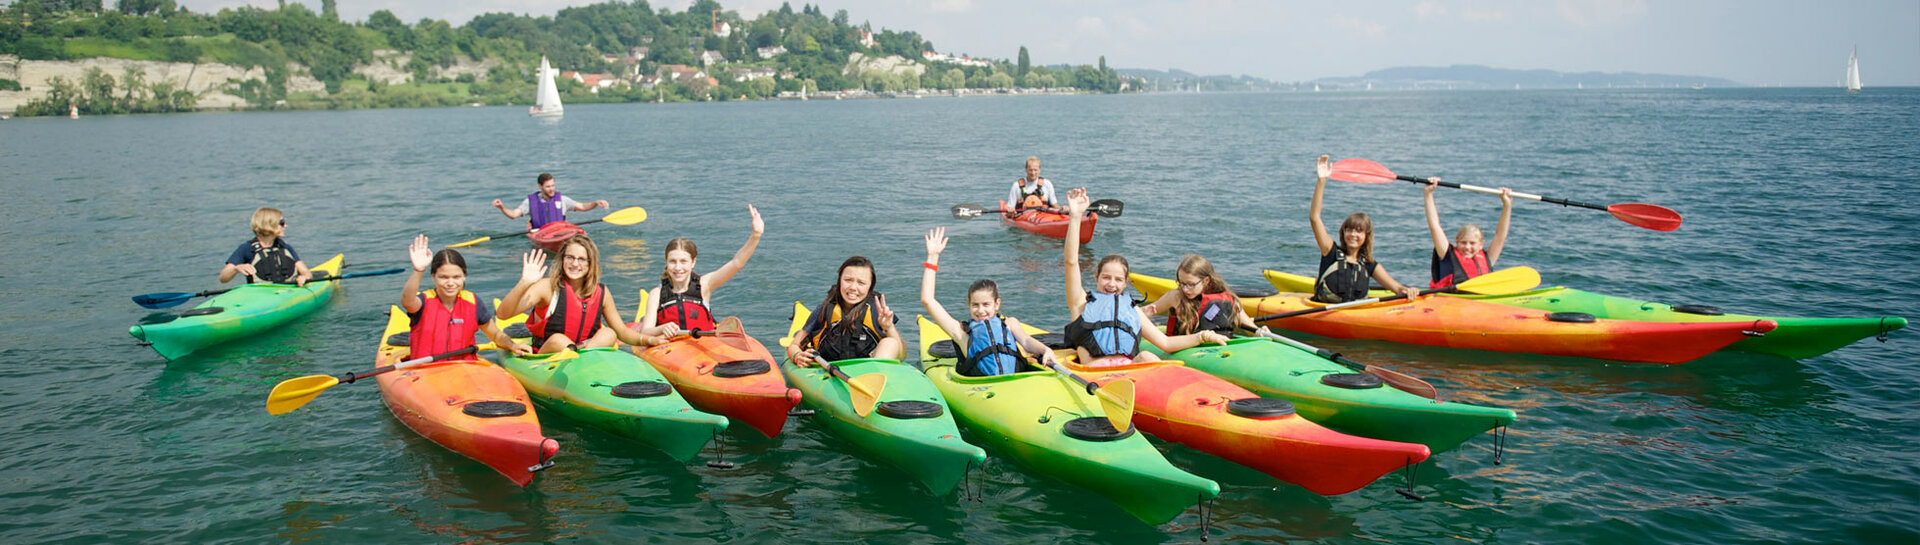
(1797, 202)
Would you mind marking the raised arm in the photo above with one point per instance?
(1320, 236)
(511, 214)
(719, 277)
(421, 256)
(525, 293)
(1076, 293)
(937, 242)
(1500, 233)
(1440, 243)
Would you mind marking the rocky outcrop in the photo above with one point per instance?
(207, 80)
(858, 63)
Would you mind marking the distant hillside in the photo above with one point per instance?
(1174, 80)
(1465, 76)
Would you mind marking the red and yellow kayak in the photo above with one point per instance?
(1186, 406)
(726, 373)
(549, 237)
(470, 406)
(1048, 223)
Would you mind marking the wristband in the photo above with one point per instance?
(930, 266)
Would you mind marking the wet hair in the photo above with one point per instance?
(1359, 222)
(592, 279)
(849, 310)
(446, 257)
(1187, 311)
(1111, 258)
(266, 221)
(542, 179)
(682, 243)
(991, 288)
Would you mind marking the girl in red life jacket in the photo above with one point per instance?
(1345, 262)
(680, 303)
(853, 322)
(1106, 329)
(1465, 258)
(445, 318)
(1203, 302)
(570, 309)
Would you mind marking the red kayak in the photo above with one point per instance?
(549, 237)
(1183, 405)
(1047, 222)
(727, 373)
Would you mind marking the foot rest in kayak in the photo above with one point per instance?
(1094, 428)
(906, 408)
(1351, 381)
(635, 390)
(494, 409)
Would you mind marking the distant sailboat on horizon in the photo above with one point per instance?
(1853, 70)
(546, 102)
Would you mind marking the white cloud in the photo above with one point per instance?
(1600, 12)
(1368, 28)
(1428, 9)
(1484, 16)
(1092, 27)
(951, 6)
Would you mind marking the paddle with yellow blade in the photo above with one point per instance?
(294, 393)
(1116, 398)
(625, 216)
(1500, 282)
(863, 391)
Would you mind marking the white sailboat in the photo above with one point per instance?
(546, 102)
(1853, 70)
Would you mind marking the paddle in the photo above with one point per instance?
(864, 390)
(1399, 380)
(294, 393)
(625, 216)
(173, 299)
(1500, 282)
(1107, 208)
(1650, 216)
(1116, 398)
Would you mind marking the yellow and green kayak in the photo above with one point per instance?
(245, 311)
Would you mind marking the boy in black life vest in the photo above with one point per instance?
(268, 257)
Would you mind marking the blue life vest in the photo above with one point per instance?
(990, 349)
(1108, 326)
(543, 212)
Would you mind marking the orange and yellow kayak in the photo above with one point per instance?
(470, 406)
(727, 373)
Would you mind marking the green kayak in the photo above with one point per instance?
(1331, 395)
(1794, 338)
(613, 390)
(245, 311)
(1026, 416)
(911, 427)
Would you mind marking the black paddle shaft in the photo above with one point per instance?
(1561, 202)
(357, 375)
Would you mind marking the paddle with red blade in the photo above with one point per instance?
(1650, 216)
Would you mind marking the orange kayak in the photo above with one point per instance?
(1048, 223)
(727, 373)
(469, 406)
(1464, 323)
(1186, 406)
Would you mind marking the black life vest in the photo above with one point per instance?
(1459, 269)
(685, 309)
(1215, 313)
(838, 339)
(273, 264)
(1341, 280)
(574, 317)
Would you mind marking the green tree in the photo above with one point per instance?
(1000, 81)
(953, 79)
(1024, 64)
(762, 87)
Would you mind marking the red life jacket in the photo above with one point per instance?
(685, 309)
(577, 319)
(1464, 268)
(438, 329)
(1215, 314)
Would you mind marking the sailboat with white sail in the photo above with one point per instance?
(546, 102)
(1853, 70)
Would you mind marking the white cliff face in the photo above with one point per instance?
(211, 82)
(860, 62)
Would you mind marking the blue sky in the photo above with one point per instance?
(1764, 42)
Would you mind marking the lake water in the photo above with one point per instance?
(1797, 202)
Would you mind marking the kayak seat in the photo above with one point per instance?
(944, 350)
